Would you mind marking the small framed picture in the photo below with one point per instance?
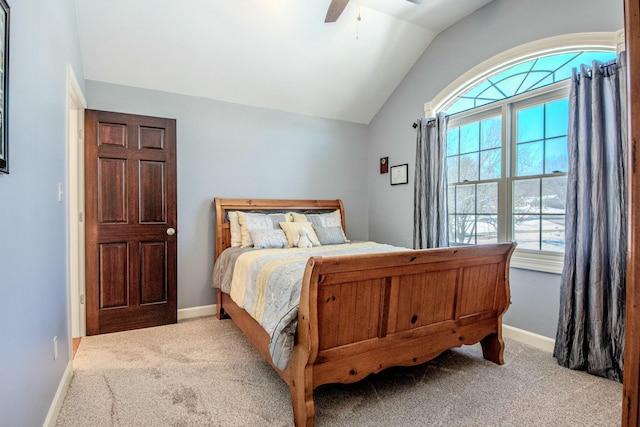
(384, 165)
(400, 174)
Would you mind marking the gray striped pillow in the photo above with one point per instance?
(330, 235)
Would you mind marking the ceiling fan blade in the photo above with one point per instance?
(335, 10)
(416, 1)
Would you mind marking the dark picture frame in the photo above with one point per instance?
(399, 174)
(384, 165)
(4, 86)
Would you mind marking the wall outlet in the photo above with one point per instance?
(55, 348)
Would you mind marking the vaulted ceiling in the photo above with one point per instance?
(276, 54)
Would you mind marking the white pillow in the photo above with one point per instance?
(257, 221)
(236, 236)
(268, 238)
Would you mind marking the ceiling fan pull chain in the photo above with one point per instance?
(358, 19)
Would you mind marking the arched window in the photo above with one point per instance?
(525, 77)
(507, 155)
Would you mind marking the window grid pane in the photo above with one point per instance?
(469, 138)
(552, 233)
(530, 157)
(469, 167)
(526, 231)
(473, 217)
(474, 151)
(542, 138)
(539, 213)
(490, 164)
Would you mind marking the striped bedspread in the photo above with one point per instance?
(267, 282)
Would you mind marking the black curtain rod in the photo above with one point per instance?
(429, 122)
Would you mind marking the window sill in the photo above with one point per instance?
(547, 262)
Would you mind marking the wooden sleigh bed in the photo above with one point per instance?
(360, 314)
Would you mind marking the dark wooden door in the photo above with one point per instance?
(131, 219)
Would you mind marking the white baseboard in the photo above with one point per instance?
(58, 399)
(193, 312)
(529, 338)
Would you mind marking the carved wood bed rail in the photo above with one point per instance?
(360, 314)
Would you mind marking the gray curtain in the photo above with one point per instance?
(430, 192)
(590, 334)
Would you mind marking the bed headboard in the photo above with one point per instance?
(223, 229)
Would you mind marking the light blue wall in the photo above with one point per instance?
(535, 301)
(499, 26)
(230, 150)
(33, 226)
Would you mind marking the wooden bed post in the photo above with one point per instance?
(301, 391)
(493, 345)
(306, 350)
(220, 311)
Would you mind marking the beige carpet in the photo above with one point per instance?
(204, 372)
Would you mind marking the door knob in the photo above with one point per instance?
(171, 231)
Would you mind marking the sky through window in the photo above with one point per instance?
(524, 77)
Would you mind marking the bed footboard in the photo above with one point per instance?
(366, 313)
(361, 314)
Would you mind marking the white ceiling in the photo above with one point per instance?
(276, 54)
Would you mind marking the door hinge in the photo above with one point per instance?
(82, 299)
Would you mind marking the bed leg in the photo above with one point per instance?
(220, 311)
(493, 348)
(302, 402)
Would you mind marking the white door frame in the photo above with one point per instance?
(76, 105)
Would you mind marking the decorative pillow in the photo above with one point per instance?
(272, 238)
(298, 217)
(257, 221)
(331, 219)
(292, 231)
(236, 236)
(330, 235)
